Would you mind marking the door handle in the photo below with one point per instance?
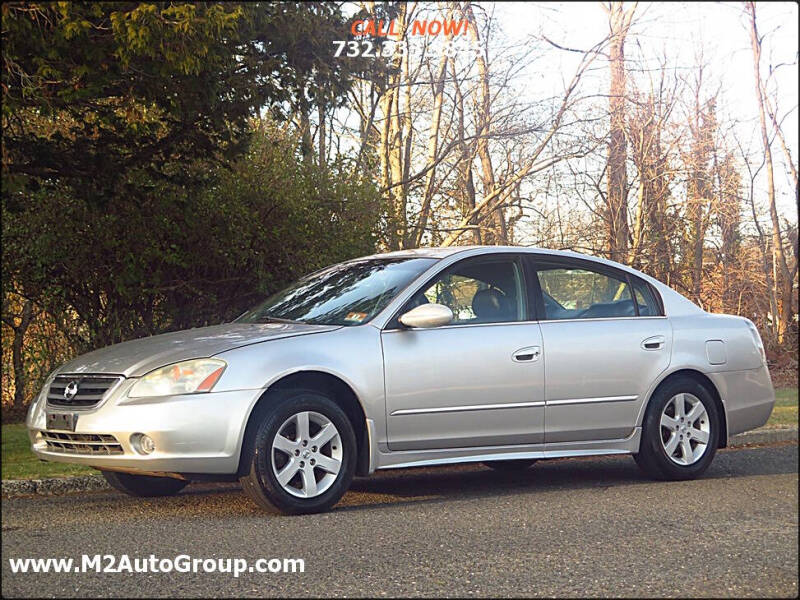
(529, 354)
(654, 343)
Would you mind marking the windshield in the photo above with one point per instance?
(350, 293)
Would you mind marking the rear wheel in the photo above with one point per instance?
(144, 486)
(680, 433)
(510, 465)
(303, 455)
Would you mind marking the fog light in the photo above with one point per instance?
(142, 443)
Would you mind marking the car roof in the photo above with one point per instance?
(433, 252)
(674, 303)
(443, 252)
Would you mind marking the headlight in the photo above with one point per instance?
(188, 377)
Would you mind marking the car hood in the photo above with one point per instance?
(137, 357)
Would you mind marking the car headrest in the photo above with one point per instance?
(490, 305)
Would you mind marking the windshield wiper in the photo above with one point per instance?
(268, 319)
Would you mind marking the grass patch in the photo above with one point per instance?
(18, 462)
(785, 411)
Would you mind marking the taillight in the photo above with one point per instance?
(757, 340)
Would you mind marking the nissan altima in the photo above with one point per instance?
(499, 355)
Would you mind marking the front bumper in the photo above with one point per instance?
(193, 433)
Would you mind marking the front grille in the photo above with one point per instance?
(91, 389)
(81, 443)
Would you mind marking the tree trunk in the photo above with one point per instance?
(405, 130)
(499, 233)
(619, 21)
(779, 131)
(391, 150)
(322, 152)
(397, 193)
(783, 277)
(650, 233)
(17, 345)
(433, 143)
(385, 153)
(467, 182)
(306, 145)
(729, 220)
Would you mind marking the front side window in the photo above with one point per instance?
(575, 293)
(349, 293)
(478, 291)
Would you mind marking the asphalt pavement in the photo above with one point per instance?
(586, 527)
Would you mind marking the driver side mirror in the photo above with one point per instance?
(426, 316)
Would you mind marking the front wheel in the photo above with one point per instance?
(303, 455)
(680, 432)
(144, 486)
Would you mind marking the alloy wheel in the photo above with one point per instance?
(685, 429)
(306, 454)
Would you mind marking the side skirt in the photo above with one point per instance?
(426, 458)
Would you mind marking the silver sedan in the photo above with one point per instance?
(501, 355)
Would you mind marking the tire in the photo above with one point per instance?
(281, 425)
(144, 486)
(682, 462)
(510, 466)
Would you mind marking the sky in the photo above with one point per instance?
(681, 30)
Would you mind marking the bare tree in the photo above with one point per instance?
(784, 278)
(697, 163)
(647, 130)
(728, 216)
(535, 163)
(498, 234)
(619, 21)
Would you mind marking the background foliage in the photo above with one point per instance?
(144, 188)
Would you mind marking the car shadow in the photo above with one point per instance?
(474, 480)
(428, 485)
(441, 484)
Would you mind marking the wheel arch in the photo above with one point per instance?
(706, 382)
(321, 381)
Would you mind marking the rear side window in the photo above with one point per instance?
(577, 293)
(648, 307)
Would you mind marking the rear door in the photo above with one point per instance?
(601, 349)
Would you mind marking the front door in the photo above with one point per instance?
(478, 381)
